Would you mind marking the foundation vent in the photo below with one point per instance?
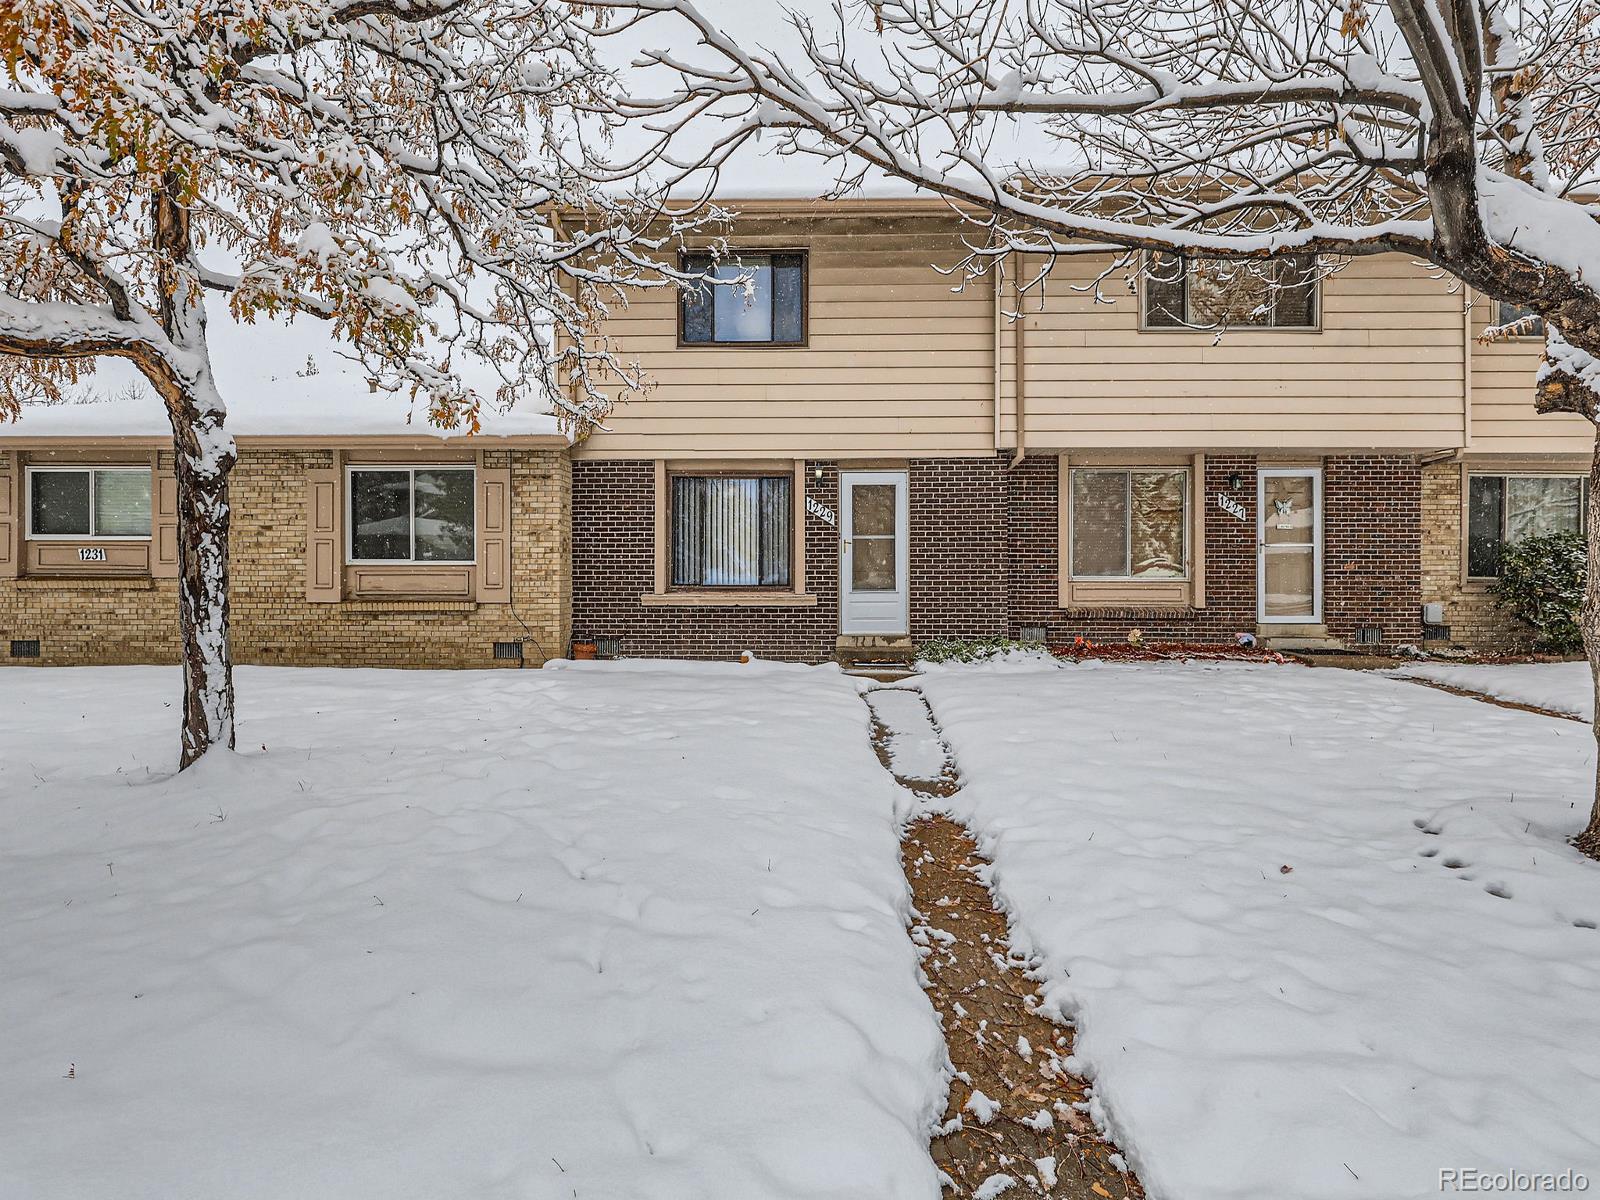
(1032, 633)
(28, 648)
(508, 650)
(608, 647)
(1369, 635)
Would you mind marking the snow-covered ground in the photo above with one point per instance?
(625, 931)
(1566, 687)
(1320, 928)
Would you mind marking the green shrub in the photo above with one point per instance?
(1541, 583)
(966, 650)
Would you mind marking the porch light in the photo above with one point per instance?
(1235, 481)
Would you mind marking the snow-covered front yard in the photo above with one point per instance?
(1319, 928)
(1564, 687)
(634, 930)
(613, 933)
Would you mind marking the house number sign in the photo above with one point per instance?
(91, 554)
(820, 511)
(1232, 507)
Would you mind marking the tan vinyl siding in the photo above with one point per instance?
(896, 363)
(1503, 417)
(1384, 369)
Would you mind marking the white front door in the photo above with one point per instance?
(1289, 546)
(874, 563)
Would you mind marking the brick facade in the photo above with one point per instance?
(1474, 620)
(81, 622)
(1372, 547)
(613, 564)
(984, 560)
(959, 510)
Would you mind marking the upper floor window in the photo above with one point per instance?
(732, 531)
(412, 514)
(89, 502)
(1280, 293)
(1502, 509)
(762, 301)
(1529, 323)
(1129, 524)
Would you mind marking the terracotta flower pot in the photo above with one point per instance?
(584, 650)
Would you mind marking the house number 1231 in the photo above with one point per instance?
(92, 554)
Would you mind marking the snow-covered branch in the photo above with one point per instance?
(1246, 129)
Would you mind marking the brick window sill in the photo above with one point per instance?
(1157, 612)
(86, 583)
(402, 604)
(729, 599)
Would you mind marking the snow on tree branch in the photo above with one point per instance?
(405, 170)
(1460, 132)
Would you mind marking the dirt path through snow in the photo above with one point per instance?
(1016, 1122)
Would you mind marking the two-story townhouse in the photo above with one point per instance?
(854, 447)
(850, 447)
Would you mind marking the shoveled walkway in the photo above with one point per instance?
(1016, 1122)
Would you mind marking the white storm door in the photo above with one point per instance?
(1289, 546)
(874, 559)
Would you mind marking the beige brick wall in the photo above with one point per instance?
(1469, 610)
(82, 622)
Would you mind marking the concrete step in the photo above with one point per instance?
(1301, 645)
(875, 654)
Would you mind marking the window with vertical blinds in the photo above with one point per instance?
(731, 531)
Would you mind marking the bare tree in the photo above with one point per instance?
(1460, 132)
(394, 168)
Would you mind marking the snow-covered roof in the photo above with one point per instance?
(277, 380)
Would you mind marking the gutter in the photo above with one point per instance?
(1021, 375)
(1466, 369)
(999, 373)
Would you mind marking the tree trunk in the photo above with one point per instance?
(203, 521)
(1589, 840)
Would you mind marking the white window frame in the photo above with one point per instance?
(1113, 468)
(1466, 510)
(91, 536)
(408, 469)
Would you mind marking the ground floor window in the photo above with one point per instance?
(1504, 509)
(1129, 523)
(731, 531)
(89, 502)
(412, 514)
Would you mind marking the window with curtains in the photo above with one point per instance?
(1206, 292)
(1129, 523)
(1502, 509)
(88, 502)
(761, 301)
(412, 514)
(731, 531)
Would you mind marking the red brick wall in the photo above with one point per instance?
(1372, 546)
(984, 560)
(613, 564)
(959, 522)
(1230, 563)
(1371, 555)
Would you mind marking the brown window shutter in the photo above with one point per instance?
(494, 535)
(164, 522)
(324, 537)
(10, 515)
